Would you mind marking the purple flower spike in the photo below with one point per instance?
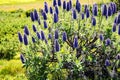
(34, 28)
(82, 16)
(36, 15)
(108, 42)
(56, 34)
(109, 13)
(42, 35)
(75, 43)
(26, 31)
(114, 27)
(32, 16)
(33, 40)
(22, 58)
(85, 8)
(59, 2)
(116, 20)
(107, 63)
(49, 36)
(44, 15)
(39, 21)
(55, 18)
(87, 13)
(51, 10)
(57, 46)
(64, 5)
(78, 6)
(46, 7)
(68, 6)
(54, 3)
(45, 24)
(64, 36)
(93, 21)
(95, 10)
(25, 40)
(104, 10)
(101, 37)
(74, 14)
(56, 10)
(38, 35)
(20, 37)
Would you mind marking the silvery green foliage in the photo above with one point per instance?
(72, 47)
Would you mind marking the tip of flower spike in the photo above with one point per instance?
(108, 42)
(26, 31)
(57, 46)
(107, 63)
(20, 37)
(75, 43)
(64, 36)
(22, 58)
(25, 40)
(101, 37)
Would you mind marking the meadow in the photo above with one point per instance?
(12, 21)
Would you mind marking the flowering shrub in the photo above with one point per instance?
(72, 42)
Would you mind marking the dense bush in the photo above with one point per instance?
(10, 24)
(71, 43)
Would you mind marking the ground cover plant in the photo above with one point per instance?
(72, 42)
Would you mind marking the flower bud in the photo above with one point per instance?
(114, 27)
(32, 16)
(87, 13)
(46, 7)
(109, 13)
(108, 42)
(107, 63)
(64, 5)
(51, 10)
(20, 37)
(25, 40)
(42, 35)
(95, 10)
(33, 39)
(45, 24)
(118, 19)
(82, 16)
(74, 14)
(26, 31)
(22, 58)
(93, 21)
(57, 46)
(56, 10)
(36, 14)
(38, 35)
(59, 2)
(55, 18)
(56, 34)
(104, 10)
(68, 6)
(49, 36)
(75, 43)
(101, 37)
(54, 3)
(34, 28)
(44, 15)
(78, 6)
(64, 36)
